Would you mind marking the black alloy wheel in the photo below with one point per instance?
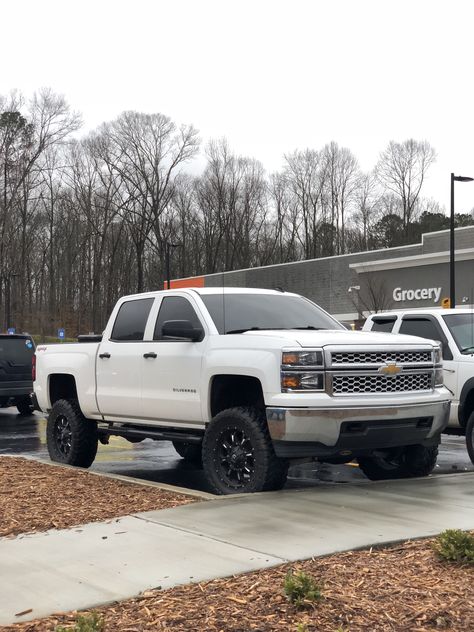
(238, 454)
(72, 439)
(236, 465)
(63, 435)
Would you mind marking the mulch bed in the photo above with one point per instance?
(402, 588)
(37, 497)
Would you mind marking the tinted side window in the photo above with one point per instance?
(420, 327)
(131, 320)
(426, 328)
(175, 308)
(383, 324)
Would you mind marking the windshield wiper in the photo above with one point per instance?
(467, 350)
(242, 331)
(309, 327)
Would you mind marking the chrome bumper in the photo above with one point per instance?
(338, 430)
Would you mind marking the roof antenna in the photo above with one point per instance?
(279, 289)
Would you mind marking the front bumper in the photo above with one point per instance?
(333, 432)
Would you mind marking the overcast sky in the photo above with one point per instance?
(271, 76)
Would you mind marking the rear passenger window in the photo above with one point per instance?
(131, 320)
(383, 324)
(175, 308)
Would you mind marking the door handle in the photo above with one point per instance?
(104, 355)
(151, 354)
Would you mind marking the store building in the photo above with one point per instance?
(351, 286)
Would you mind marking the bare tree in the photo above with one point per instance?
(401, 169)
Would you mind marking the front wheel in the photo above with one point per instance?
(404, 462)
(72, 439)
(238, 454)
(470, 437)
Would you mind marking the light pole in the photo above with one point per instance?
(452, 281)
(168, 246)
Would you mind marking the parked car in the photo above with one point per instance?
(16, 383)
(245, 380)
(454, 329)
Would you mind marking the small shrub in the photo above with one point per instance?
(92, 622)
(300, 588)
(302, 627)
(455, 545)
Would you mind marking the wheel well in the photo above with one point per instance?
(62, 386)
(467, 408)
(228, 391)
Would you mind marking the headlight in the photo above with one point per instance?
(303, 359)
(301, 381)
(437, 355)
(439, 377)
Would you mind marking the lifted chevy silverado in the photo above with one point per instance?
(245, 380)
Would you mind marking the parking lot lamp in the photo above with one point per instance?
(452, 282)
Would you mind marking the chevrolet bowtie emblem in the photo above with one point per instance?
(390, 369)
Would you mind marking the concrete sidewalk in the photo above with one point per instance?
(102, 562)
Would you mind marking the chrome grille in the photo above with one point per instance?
(362, 383)
(380, 357)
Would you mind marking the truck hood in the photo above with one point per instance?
(340, 337)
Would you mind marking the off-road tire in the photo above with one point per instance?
(405, 462)
(72, 439)
(190, 452)
(470, 436)
(251, 436)
(25, 406)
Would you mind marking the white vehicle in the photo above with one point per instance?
(454, 330)
(245, 380)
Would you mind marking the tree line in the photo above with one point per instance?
(84, 220)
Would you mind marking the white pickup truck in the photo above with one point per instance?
(245, 380)
(454, 330)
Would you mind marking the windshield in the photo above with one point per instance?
(244, 312)
(461, 327)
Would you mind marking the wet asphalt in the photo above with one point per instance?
(158, 461)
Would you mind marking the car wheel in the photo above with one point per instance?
(238, 454)
(403, 462)
(470, 437)
(24, 406)
(190, 452)
(72, 439)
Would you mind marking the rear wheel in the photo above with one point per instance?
(238, 454)
(25, 406)
(403, 462)
(470, 437)
(190, 452)
(72, 439)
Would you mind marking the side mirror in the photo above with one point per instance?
(183, 330)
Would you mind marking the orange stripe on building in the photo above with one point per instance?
(181, 283)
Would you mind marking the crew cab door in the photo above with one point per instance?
(171, 369)
(119, 362)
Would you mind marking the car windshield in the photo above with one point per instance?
(237, 313)
(461, 327)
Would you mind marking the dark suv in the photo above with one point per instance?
(16, 385)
